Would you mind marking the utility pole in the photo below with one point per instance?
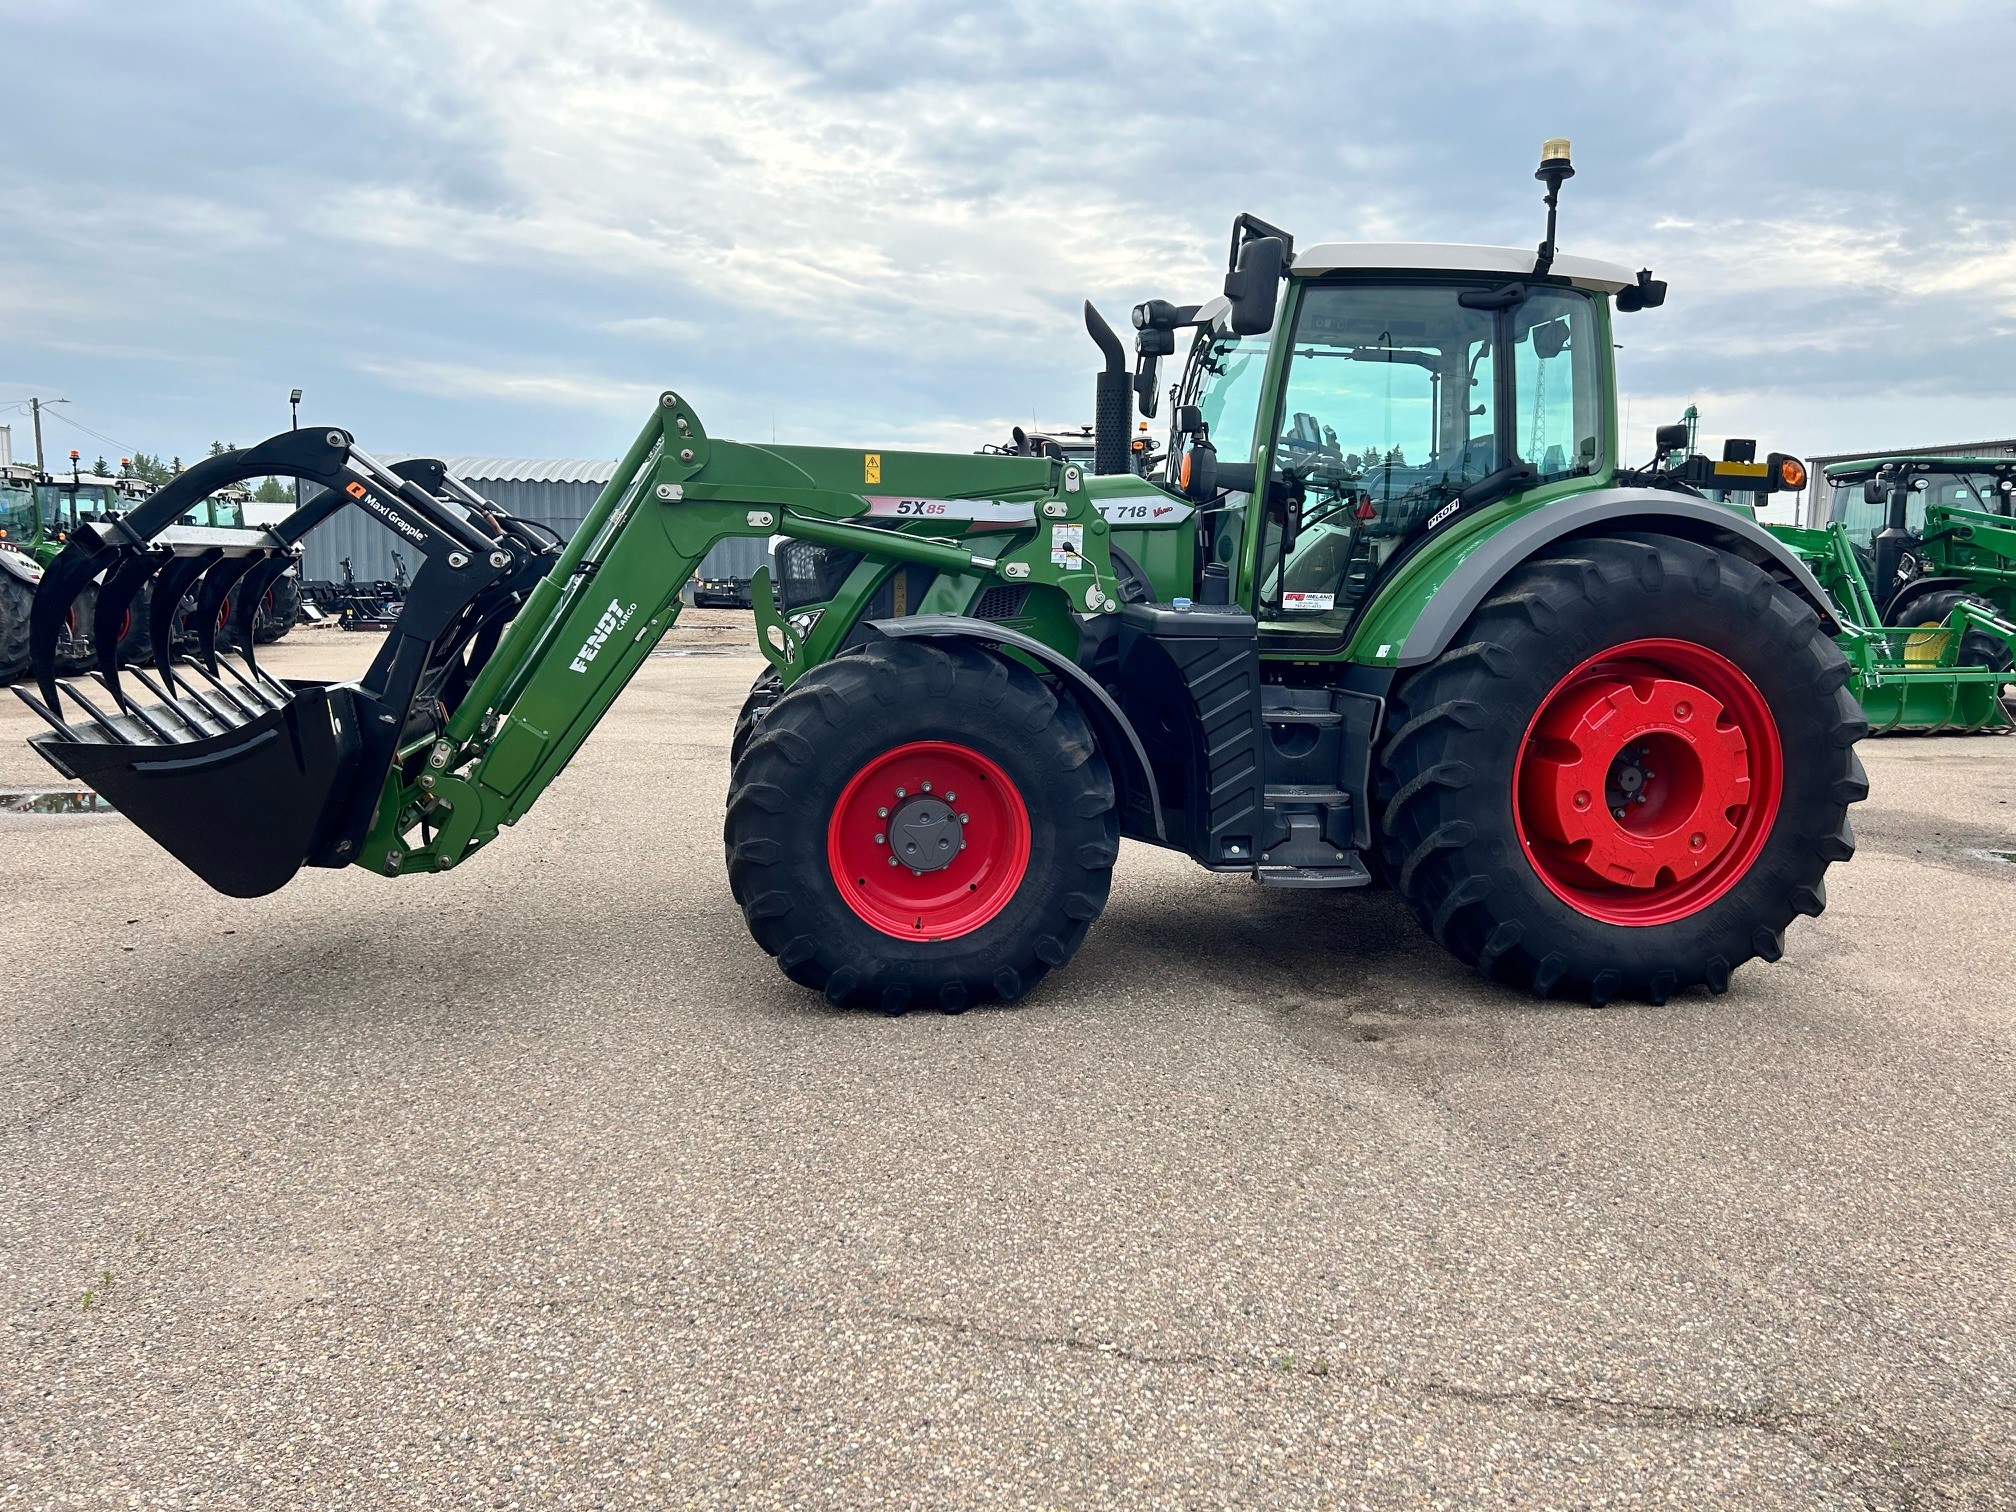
(35, 408)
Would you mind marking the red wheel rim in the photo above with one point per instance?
(943, 805)
(1675, 737)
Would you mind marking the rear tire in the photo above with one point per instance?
(280, 612)
(1501, 740)
(809, 855)
(17, 601)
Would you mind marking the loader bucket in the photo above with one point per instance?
(243, 808)
(242, 776)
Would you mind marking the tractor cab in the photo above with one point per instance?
(1398, 386)
(1987, 484)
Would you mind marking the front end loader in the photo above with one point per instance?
(1397, 616)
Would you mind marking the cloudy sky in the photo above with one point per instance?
(501, 226)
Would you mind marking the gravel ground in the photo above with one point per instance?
(536, 1184)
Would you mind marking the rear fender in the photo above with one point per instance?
(1133, 778)
(1606, 511)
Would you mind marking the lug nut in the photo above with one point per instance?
(881, 813)
(951, 797)
(927, 787)
(901, 794)
(881, 839)
(894, 862)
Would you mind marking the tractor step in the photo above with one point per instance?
(1319, 718)
(1351, 872)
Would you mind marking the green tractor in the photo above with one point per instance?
(38, 516)
(1399, 617)
(1921, 553)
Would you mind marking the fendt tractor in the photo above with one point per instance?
(1399, 613)
(38, 515)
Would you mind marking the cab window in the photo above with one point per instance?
(1389, 411)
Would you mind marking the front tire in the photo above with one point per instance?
(17, 602)
(1628, 775)
(1928, 614)
(921, 826)
(762, 694)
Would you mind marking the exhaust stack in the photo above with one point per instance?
(1112, 403)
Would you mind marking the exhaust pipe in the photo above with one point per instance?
(1112, 400)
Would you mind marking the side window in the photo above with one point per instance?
(1860, 518)
(1553, 356)
(1230, 370)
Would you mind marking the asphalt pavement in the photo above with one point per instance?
(535, 1184)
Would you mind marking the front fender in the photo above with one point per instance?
(15, 565)
(1446, 602)
(1118, 742)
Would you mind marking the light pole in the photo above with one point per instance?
(294, 412)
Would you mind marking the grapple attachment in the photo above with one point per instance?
(242, 776)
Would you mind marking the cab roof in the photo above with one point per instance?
(1857, 467)
(1457, 257)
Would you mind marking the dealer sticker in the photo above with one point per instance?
(1308, 603)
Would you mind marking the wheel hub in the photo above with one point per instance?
(925, 834)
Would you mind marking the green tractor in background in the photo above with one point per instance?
(1921, 554)
(38, 515)
(1397, 614)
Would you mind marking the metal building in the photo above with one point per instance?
(1820, 495)
(557, 493)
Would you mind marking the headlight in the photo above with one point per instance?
(806, 573)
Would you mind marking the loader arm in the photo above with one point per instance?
(509, 648)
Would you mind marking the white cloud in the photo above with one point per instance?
(451, 380)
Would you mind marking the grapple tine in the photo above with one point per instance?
(251, 595)
(137, 711)
(54, 719)
(169, 589)
(122, 586)
(119, 736)
(228, 718)
(265, 695)
(244, 709)
(49, 620)
(174, 705)
(213, 603)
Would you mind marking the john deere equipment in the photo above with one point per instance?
(1397, 618)
(1923, 550)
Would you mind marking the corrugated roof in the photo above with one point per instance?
(530, 469)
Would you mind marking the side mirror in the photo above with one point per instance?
(1255, 284)
(1669, 438)
(1875, 491)
(1550, 339)
(1647, 294)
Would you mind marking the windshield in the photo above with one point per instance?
(1391, 408)
(63, 504)
(1951, 490)
(17, 514)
